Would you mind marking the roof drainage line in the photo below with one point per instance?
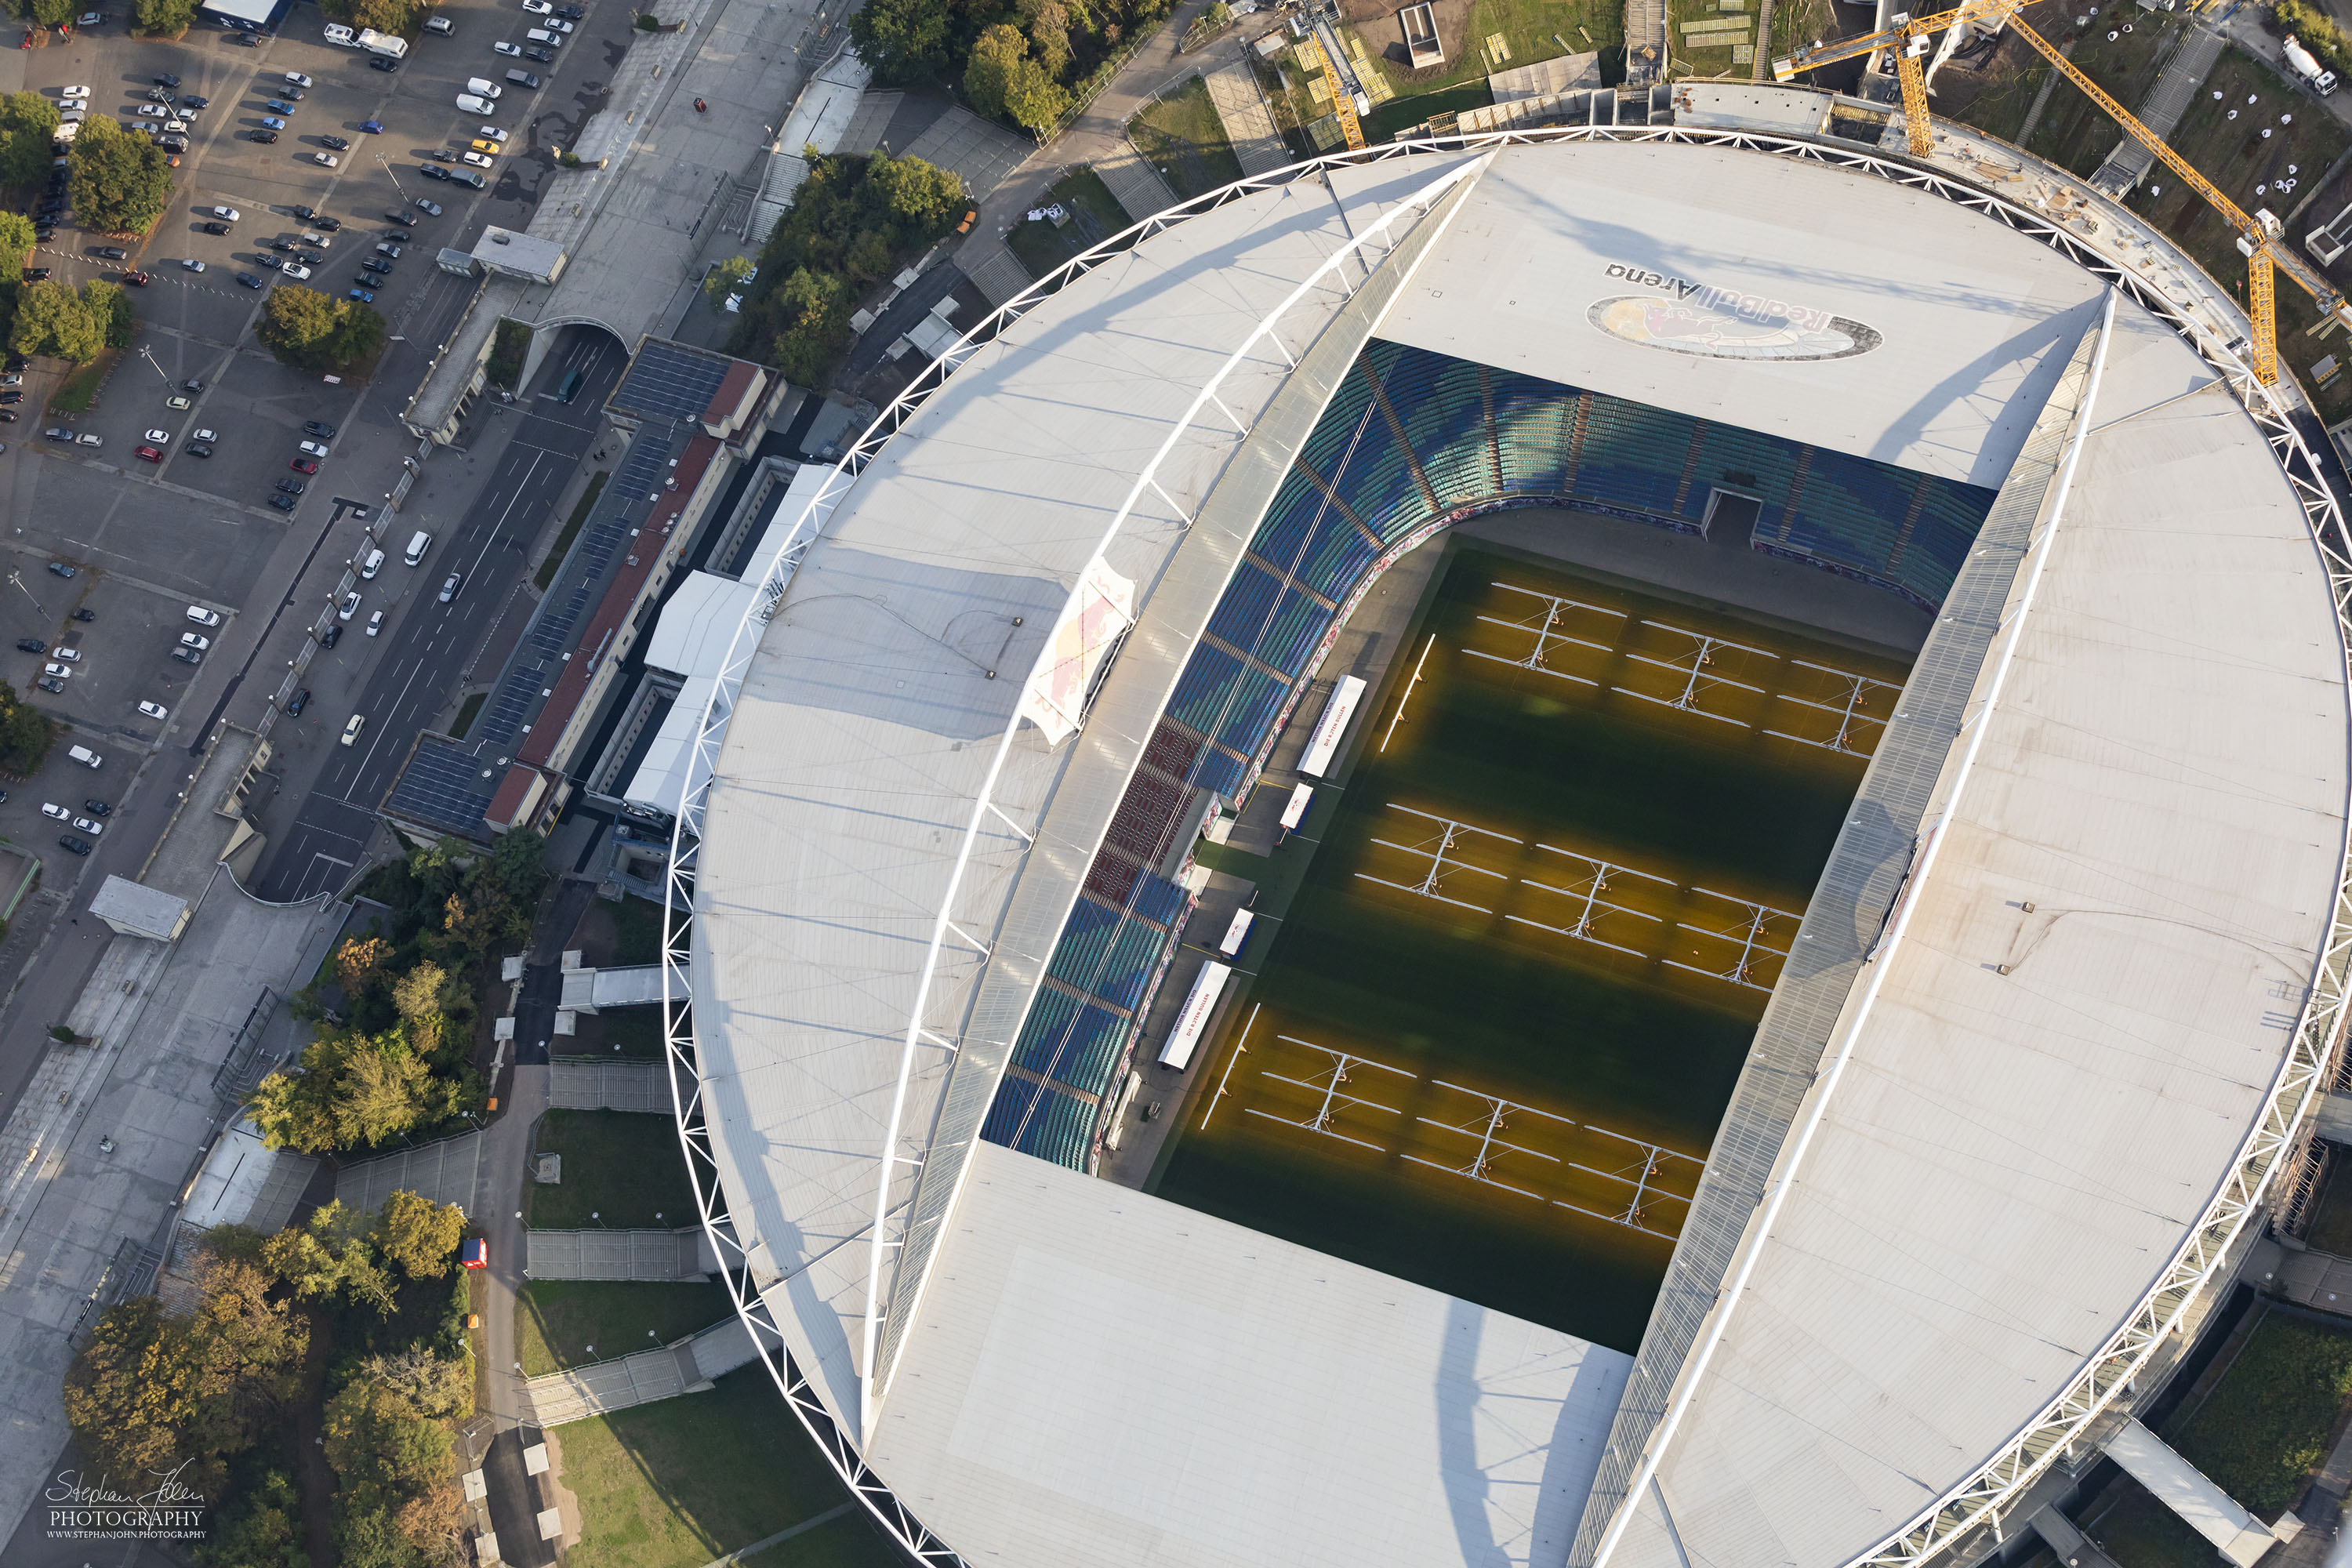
(1418, 204)
(1931, 843)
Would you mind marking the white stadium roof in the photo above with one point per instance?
(2037, 1108)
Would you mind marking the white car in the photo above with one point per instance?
(74, 104)
(324, 160)
(351, 729)
(192, 264)
(190, 639)
(314, 448)
(61, 671)
(203, 436)
(70, 655)
(538, 8)
(51, 808)
(154, 710)
(158, 437)
(492, 133)
(84, 825)
(197, 613)
(152, 110)
(475, 159)
(296, 78)
(88, 438)
(556, 25)
(506, 49)
(296, 273)
(81, 92)
(351, 607)
(375, 623)
(226, 215)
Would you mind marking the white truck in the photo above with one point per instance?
(2300, 61)
(389, 45)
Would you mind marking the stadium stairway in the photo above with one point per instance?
(637, 1255)
(689, 1366)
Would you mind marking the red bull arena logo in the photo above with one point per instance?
(1689, 317)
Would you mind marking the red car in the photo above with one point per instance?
(474, 1254)
(149, 454)
(304, 465)
(141, 278)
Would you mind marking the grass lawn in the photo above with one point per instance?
(1094, 216)
(554, 561)
(2263, 1429)
(623, 1168)
(636, 932)
(78, 394)
(2141, 1532)
(2236, 156)
(2075, 134)
(466, 712)
(1184, 139)
(557, 1319)
(677, 1483)
(2331, 1222)
(624, 1032)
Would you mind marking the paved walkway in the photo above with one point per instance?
(644, 1255)
(1241, 107)
(592, 1083)
(2191, 62)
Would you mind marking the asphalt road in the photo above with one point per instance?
(430, 644)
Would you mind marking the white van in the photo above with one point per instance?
(373, 564)
(438, 25)
(483, 87)
(84, 755)
(351, 729)
(545, 39)
(418, 547)
(202, 616)
(472, 105)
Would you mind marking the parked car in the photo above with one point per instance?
(379, 62)
(291, 487)
(90, 825)
(301, 700)
(350, 607)
(62, 570)
(153, 709)
(324, 224)
(250, 282)
(97, 808)
(68, 655)
(297, 272)
(195, 100)
(313, 449)
(304, 466)
(318, 429)
(48, 683)
(293, 78)
(150, 455)
(506, 49)
(337, 143)
(61, 671)
(364, 296)
(430, 209)
(264, 259)
(324, 160)
(166, 78)
(196, 641)
(139, 279)
(533, 52)
(177, 401)
(158, 437)
(113, 253)
(334, 634)
(283, 503)
(197, 450)
(31, 645)
(73, 845)
(192, 264)
(54, 811)
(265, 136)
(375, 623)
(478, 159)
(373, 127)
(228, 214)
(215, 228)
(187, 656)
(273, 122)
(435, 171)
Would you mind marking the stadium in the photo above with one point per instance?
(1779, 717)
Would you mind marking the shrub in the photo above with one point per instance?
(509, 346)
(312, 330)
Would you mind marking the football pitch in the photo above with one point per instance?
(1486, 1044)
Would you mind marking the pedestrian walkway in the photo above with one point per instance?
(1134, 184)
(643, 1256)
(592, 1083)
(995, 271)
(445, 1173)
(689, 1366)
(2192, 61)
(1249, 125)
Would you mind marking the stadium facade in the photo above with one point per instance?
(2052, 1024)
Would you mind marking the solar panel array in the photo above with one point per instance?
(670, 381)
(443, 786)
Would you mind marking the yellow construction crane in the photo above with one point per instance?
(2258, 236)
(1342, 99)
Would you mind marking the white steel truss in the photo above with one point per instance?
(1440, 857)
(1544, 625)
(1853, 723)
(1692, 667)
(2178, 301)
(1749, 933)
(1485, 1129)
(1589, 881)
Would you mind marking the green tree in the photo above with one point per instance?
(25, 734)
(28, 129)
(419, 1235)
(331, 1259)
(360, 963)
(357, 1091)
(1049, 35)
(53, 13)
(723, 279)
(903, 41)
(119, 182)
(149, 1394)
(261, 1528)
(52, 321)
(108, 305)
(16, 241)
(988, 76)
(312, 330)
(163, 18)
(435, 1385)
(814, 315)
(517, 864)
